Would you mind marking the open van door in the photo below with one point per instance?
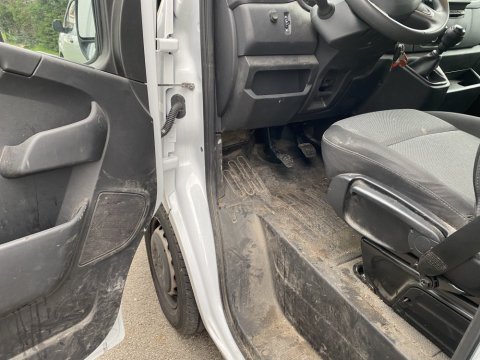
(78, 184)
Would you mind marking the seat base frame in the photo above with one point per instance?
(441, 315)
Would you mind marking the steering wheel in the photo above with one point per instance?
(409, 21)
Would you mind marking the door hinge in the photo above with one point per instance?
(185, 85)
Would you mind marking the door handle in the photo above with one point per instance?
(65, 146)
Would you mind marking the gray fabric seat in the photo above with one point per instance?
(428, 157)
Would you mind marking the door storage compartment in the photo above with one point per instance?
(464, 90)
(37, 262)
(269, 90)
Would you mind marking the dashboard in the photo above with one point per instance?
(273, 68)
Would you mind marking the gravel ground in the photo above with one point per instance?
(148, 334)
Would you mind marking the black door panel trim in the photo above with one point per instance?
(12, 59)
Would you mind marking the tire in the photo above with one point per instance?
(174, 291)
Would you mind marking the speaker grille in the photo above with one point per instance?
(116, 218)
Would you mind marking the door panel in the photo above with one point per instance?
(77, 186)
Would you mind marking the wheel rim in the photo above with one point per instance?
(163, 266)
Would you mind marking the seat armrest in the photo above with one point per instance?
(384, 216)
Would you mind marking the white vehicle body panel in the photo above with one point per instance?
(69, 47)
(184, 188)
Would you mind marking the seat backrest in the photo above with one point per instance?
(476, 182)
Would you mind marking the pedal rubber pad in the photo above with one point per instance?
(308, 150)
(286, 159)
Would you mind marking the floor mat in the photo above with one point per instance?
(288, 256)
(293, 199)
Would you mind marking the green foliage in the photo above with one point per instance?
(28, 23)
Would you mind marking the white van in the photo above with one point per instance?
(305, 176)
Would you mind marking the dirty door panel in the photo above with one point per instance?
(77, 186)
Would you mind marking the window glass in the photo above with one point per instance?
(51, 26)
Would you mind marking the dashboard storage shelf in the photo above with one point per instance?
(464, 89)
(259, 101)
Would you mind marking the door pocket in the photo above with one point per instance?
(36, 263)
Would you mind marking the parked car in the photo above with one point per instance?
(305, 176)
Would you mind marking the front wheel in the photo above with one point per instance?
(170, 277)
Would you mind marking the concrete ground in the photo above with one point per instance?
(148, 334)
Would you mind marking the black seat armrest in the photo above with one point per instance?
(385, 216)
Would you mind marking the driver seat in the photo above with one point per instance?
(407, 181)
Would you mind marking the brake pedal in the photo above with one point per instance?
(308, 150)
(285, 159)
(306, 145)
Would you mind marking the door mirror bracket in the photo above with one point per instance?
(58, 26)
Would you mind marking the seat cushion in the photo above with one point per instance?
(421, 155)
